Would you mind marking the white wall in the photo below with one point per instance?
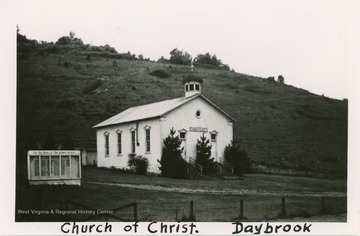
(121, 161)
(212, 119)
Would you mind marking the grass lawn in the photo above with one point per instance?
(214, 199)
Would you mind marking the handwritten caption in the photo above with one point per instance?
(182, 228)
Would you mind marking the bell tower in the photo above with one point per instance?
(192, 87)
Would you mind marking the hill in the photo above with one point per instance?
(64, 90)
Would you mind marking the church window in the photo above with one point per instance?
(107, 144)
(119, 141)
(147, 131)
(133, 141)
(198, 114)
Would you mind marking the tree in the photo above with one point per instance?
(64, 40)
(72, 35)
(172, 163)
(271, 79)
(180, 57)
(71, 39)
(281, 79)
(238, 158)
(203, 154)
(208, 59)
(163, 60)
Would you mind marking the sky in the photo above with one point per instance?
(310, 43)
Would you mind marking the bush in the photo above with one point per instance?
(92, 87)
(63, 40)
(271, 79)
(281, 79)
(138, 163)
(172, 163)
(237, 158)
(160, 73)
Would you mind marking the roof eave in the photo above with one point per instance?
(126, 122)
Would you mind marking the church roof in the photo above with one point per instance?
(153, 110)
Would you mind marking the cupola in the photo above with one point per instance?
(192, 85)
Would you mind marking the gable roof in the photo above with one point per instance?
(153, 110)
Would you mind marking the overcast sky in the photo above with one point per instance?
(310, 43)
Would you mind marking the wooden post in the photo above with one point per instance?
(322, 206)
(192, 215)
(283, 211)
(241, 209)
(135, 211)
(191, 207)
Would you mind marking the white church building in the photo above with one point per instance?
(142, 129)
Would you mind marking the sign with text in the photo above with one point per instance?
(198, 129)
(54, 167)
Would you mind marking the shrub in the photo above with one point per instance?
(92, 87)
(203, 153)
(172, 164)
(160, 73)
(271, 79)
(138, 163)
(281, 79)
(64, 40)
(163, 60)
(237, 158)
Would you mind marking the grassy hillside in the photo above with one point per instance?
(62, 91)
